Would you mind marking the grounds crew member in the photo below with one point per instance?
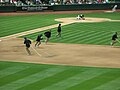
(114, 39)
(59, 31)
(27, 42)
(47, 35)
(81, 17)
(38, 40)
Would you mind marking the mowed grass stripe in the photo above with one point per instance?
(86, 38)
(22, 28)
(20, 25)
(92, 36)
(11, 70)
(18, 75)
(95, 38)
(3, 65)
(71, 36)
(18, 28)
(113, 85)
(77, 27)
(25, 20)
(97, 81)
(52, 79)
(96, 29)
(33, 36)
(80, 35)
(32, 78)
(100, 37)
(65, 34)
(76, 35)
(106, 40)
(76, 79)
(17, 23)
(70, 30)
(66, 37)
(14, 19)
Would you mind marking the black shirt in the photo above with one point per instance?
(114, 37)
(59, 28)
(81, 15)
(39, 38)
(47, 34)
(27, 42)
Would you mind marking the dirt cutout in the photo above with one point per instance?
(87, 19)
(13, 49)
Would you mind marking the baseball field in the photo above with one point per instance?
(82, 59)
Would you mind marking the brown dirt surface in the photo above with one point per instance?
(65, 54)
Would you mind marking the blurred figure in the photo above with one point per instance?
(114, 8)
(27, 42)
(80, 17)
(114, 39)
(38, 2)
(38, 40)
(47, 35)
(59, 31)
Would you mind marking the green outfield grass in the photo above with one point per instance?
(24, 76)
(15, 24)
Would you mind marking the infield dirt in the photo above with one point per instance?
(57, 53)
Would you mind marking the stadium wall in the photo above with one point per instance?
(8, 8)
(107, 6)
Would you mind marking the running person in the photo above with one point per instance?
(47, 35)
(27, 42)
(38, 40)
(59, 31)
(114, 38)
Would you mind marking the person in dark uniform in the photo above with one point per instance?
(82, 17)
(38, 40)
(59, 31)
(27, 42)
(47, 35)
(114, 38)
